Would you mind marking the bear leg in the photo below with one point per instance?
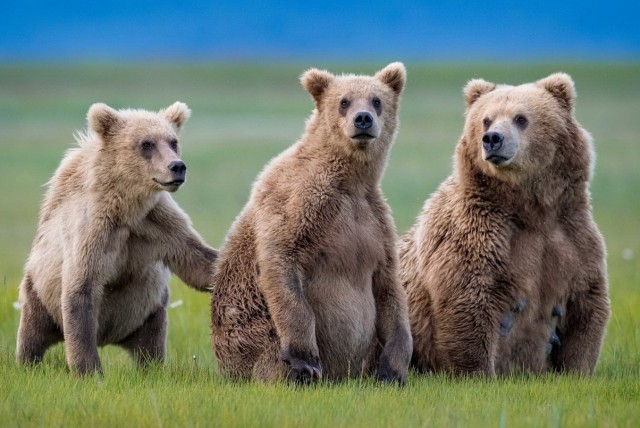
(581, 332)
(147, 344)
(269, 367)
(37, 331)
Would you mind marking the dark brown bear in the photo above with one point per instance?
(505, 268)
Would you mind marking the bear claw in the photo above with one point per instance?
(387, 374)
(506, 325)
(557, 311)
(306, 374)
(519, 307)
(554, 342)
(303, 372)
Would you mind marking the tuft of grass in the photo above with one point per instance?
(243, 115)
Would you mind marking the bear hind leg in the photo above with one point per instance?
(37, 331)
(147, 344)
(269, 367)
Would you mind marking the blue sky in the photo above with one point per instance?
(424, 31)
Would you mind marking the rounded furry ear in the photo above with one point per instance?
(394, 75)
(476, 88)
(316, 82)
(177, 113)
(561, 86)
(103, 120)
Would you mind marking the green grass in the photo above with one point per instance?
(242, 116)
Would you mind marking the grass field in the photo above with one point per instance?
(242, 116)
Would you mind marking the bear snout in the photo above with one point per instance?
(179, 171)
(492, 141)
(363, 120)
(173, 177)
(364, 127)
(496, 149)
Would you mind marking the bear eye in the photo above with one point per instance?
(377, 105)
(520, 120)
(344, 103)
(486, 122)
(174, 145)
(147, 145)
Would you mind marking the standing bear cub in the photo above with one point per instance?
(109, 233)
(307, 285)
(505, 268)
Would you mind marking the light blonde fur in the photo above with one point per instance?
(109, 234)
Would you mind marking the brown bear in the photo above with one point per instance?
(306, 285)
(505, 268)
(109, 234)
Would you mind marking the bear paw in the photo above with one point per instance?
(387, 374)
(305, 368)
(87, 365)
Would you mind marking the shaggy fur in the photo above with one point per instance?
(109, 233)
(505, 268)
(306, 285)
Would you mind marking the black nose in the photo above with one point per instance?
(492, 141)
(178, 168)
(363, 120)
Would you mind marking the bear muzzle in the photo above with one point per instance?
(178, 170)
(365, 127)
(494, 149)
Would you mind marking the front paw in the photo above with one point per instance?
(305, 367)
(389, 374)
(87, 365)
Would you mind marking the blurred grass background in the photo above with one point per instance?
(243, 115)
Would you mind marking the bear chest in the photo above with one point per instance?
(339, 288)
(353, 244)
(133, 254)
(546, 259)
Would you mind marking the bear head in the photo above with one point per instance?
(140, 149)
(513, 132)
(361, 111)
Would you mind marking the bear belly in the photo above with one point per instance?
(529, 344)
(345, 324)
(242, 330)
(129, 300)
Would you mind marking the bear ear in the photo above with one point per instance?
(561, 86)
(476, 88)
(103, 120)
(316, 82)
(177, 113)
(394, 75)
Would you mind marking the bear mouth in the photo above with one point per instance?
(363, 137)
(174, 183)
(497, 160)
